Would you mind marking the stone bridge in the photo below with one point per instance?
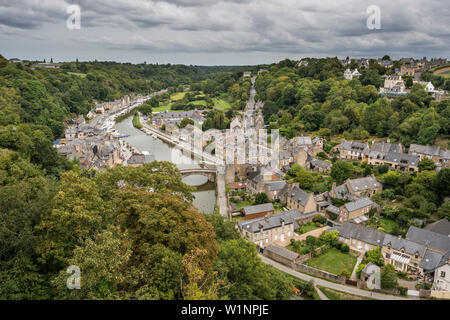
(211, 174)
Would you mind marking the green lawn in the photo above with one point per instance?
(385, 223)
(221, 104)
(333, 262)
(306, 228)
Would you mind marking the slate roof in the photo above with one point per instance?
(365, 183)
(141, 159)
(333, 209)
(428, 238)
(428, 150)
(409, 246)
(266, 223)
(342, 191)
(320, 163)
(399, 157)
(354, 146)
(362, 233)
(430, 260)
(281, 251)
(358, 204)
(258, 208)
(299, 195)
(442, 226)
(276, 185)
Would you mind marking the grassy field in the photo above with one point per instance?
(219, 104)
(333, 262)
(339, 295)
(385, 223)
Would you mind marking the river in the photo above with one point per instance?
(205, 196)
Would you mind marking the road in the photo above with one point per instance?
(332, 285)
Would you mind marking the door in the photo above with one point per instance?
(282, 237)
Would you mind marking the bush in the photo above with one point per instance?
(320, 219)
(344, 248)
(403, 291)
(346, 274)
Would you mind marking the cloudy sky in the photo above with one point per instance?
(211, 32)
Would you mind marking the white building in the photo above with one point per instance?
(350, 74)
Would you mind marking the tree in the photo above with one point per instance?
(426, 164)
(247, 277)
(261, 198)
(375, 257)
(330, 237)
(388, 277)
(341, 170)
(184, 122)
(444, 210)
(223, 228)
(443, 182)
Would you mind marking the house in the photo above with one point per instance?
(407, 69)
(442, 274)
(359, 237)
(402, 161)
(352, 189)
(355, 209)
(441, 157)
(421, 253)
(302, 63)
(247, 74)
(378, 150)
(256, 211)
(299, 199)
(350, 74)
(15, 60)
(370, 276)
(364, 187)
(352, 150)
(276, 190)
(429, 87)
(393, 85)
(403, 254)
(265, 230)
(320, 166)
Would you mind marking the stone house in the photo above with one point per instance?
(441, 157)
(137, 160)
(442, 275)
(265, 230)
(359, 237)
(370, 276)
(352, 150)
(299, 199)
(276, 190)
(320, 166)
(352, 189)
(355, 209)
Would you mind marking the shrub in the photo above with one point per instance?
(344, 248)
(403, 291)
(346, 274)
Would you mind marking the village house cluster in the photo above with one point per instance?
(423, 254)
(394, 85)
(394, 155)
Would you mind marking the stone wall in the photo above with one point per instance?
(319, 273)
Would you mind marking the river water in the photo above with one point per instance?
(205, 196)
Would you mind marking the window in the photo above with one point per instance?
(442, 274)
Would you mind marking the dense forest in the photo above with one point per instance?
(128, 242)
(316, 99)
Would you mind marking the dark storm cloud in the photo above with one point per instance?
(326, 27)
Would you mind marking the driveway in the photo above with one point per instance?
(332, 285)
